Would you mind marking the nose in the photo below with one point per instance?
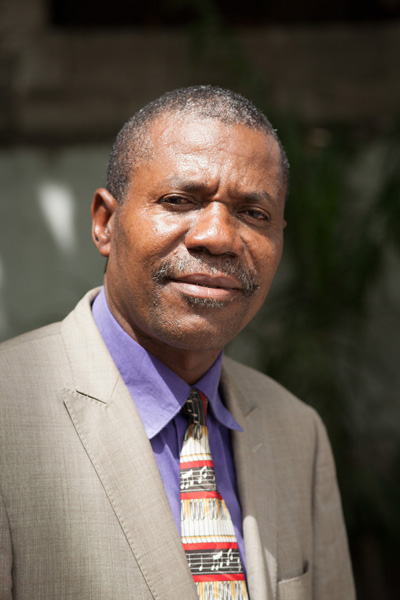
(215, 229)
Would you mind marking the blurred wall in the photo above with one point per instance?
(73, 85)
(65, 93)
(47, 259)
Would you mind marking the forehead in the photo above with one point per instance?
(187, 141)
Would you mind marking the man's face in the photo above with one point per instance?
(195, 245)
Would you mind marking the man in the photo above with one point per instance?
(95, 413)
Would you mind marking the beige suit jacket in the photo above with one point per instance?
(83, 511)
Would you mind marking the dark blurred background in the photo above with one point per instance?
(327, 73)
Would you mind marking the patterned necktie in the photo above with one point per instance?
(208, 536)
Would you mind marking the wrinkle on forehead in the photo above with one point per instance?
(198, 130)
(209, 135)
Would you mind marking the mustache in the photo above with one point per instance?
(171, 268)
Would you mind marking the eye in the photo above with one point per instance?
(256, 214)
(175, 201)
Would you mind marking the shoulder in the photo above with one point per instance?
(30, 363)
(275, 405)
(39, 356)
(27, 344)
(41, 343)
(259, 386)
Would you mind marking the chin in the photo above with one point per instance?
(203, 324)
(199, 335)
(205, 302)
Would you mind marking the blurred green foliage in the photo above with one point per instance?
(329, 330)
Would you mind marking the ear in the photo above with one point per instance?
(104, 207)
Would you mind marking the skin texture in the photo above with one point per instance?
(193, 249)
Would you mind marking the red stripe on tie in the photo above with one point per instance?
(211, 546)
(196, 463)
(220, 577)
(198, 495)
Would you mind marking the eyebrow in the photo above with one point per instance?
(200, 186)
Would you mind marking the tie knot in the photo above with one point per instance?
(195, 411)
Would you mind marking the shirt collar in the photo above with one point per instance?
(149, 380)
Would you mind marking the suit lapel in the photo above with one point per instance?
(110, 429)
(255, 473)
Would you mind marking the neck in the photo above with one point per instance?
(189, 365)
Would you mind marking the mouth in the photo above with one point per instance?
(213, 287)
(205, 281)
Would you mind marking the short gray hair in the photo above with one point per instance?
(205, 101)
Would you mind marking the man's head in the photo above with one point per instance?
(194, 239)
(203, 101)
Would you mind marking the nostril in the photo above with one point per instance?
(201, 253)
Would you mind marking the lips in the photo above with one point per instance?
(219, 287)
(212, 281)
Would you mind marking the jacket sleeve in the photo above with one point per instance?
(332, 572)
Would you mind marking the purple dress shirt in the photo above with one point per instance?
(159, 395)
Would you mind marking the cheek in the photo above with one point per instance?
(158, 233)
(164, 227)
(267, 251)
(268, 262)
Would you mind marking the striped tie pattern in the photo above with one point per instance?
(208, 536)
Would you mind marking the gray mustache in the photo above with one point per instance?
(172, 268)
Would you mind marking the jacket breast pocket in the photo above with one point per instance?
(296, 588)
